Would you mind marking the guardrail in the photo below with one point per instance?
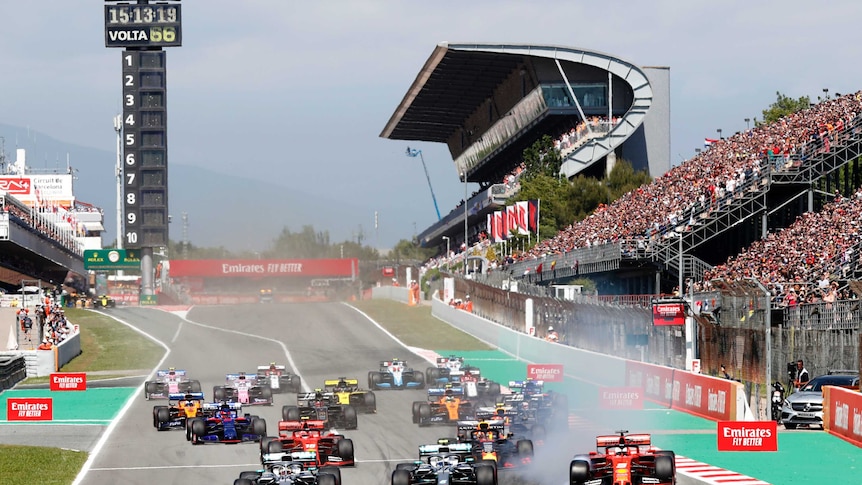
(12, 371)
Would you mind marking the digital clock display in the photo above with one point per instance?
(139, 25)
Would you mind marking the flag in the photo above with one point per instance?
(533, 216)
(707, 142)
(522, 209)
(539, 268)
(498, 227)
(512, 220)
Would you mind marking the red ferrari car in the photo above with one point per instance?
(623, 459)
(331, 449)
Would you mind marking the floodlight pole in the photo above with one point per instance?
(118, 128)
(414, 153)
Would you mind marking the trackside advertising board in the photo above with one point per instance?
(30, 409)
(621, 398)
(668, 314)
(705, 396)
(842, 413)
(76, 381)
(223, 268)
(747, 436)
(545, 372)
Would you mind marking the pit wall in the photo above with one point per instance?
(842, 414)
(705, 396)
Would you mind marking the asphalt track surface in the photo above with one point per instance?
(323, 341)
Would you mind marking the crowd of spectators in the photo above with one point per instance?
(46, 323)
(801, 264)
(582, 133)
(41, 223)
(690, 192)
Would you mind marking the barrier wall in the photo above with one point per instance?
(842, 413)
(397, 293)
(12, 371)
(68, 350)
(701, 395)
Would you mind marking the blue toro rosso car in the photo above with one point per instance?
(226, 424)
(394, 374)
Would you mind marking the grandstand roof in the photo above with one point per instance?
(448, 88)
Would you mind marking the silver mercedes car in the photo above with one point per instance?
(805, 407)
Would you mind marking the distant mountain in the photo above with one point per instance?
(232, 211)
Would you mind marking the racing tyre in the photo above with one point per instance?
(423, 413)
(350, 420)
(493, 389)
(156, 416)
(664, 467)
(537, 432)
(266, 393)
(163, 414)
(218, 393)
(295, 384)
(264, 443)
(486, 475)
(405, 466)
(579, 471)
(195, 386)
(345, 449)
(400, 477)
(373, 379)
(243, 481)
(415, 413)
(370, 402)
(150, 388)
(250, 475)
(199, 428)
(258, 427)
(420, 379)
(290, 413)
(326, 479)
(334, 471)
(274, 446)
(432, 373)
(525, 448)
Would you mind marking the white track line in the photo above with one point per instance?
(412, 350)
(104, 438)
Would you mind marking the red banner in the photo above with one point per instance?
(842, 413)
(655, 380)
(29, 409)
(668, 314)
(210, 268)
(69, 382)
(621, 398)
(747, 436)
(705, 396)
(545, 372)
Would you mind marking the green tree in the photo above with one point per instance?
(541, 158)
(782, 107)
(623, 179)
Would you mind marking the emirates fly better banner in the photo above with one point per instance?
(29, 409)
(545, 372)
(69, 382)
(747, 436)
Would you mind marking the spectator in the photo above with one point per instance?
(552, 335)
(45, 345)
(724, 373)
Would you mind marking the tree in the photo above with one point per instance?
(623, 179)
(782, 107)
(541, 158)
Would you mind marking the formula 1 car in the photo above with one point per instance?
(290, 473)
(105, 301)
(490, 441)
(328, 448)
(445, 463)
(550, 409)
(180, 408)
(444, 406)
(394, 374)
(266, 295)
(453, 370)
(347, 391)
(170, 381)
(226, 424)
(321, 406)
(623, 459)
(244, 389)
(278, 378)
(519, 422)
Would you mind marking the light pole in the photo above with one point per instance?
(466, 242)
(826, 93)
(414, 153)
(118, 128)
(447, 252)
(719, 133)
(747, 126)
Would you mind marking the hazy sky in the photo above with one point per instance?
(298, 91)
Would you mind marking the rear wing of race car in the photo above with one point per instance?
(518, 386)
(494, 425)
(441, 391)
(236, 377)
(308, 424)
(387, 363)
(212, 407)
(436, 449)
(303, 398)
(334, 382)
(442, 361)
(626, 440)
(167, 372)
(187, 396)
(263, 368)
(489, 413)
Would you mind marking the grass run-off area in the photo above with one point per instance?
(415, 326)
(106, 346)
(24, 465)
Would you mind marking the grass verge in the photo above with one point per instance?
(23, 465)
(415, 326)
(110, 346)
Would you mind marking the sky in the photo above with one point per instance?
(297, 92)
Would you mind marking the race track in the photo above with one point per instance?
(323, 340)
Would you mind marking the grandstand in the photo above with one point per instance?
(489, 102)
